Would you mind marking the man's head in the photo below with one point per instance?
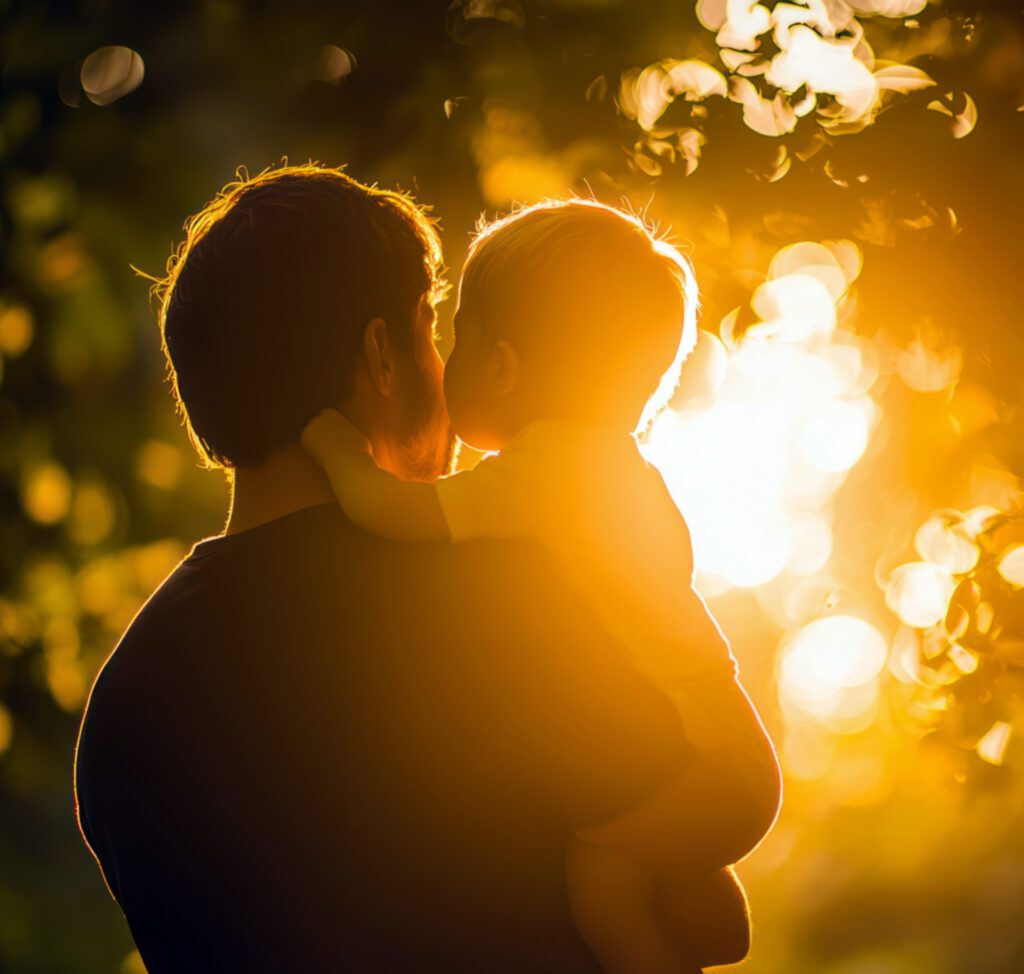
(301, 289)
(567, 309)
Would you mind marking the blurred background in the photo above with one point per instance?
(848, 178)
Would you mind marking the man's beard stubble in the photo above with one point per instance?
(427, 440)
(425, 457)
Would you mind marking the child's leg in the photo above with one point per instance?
(705, 916)
(641, 915)
(639, 918)
(612, 898)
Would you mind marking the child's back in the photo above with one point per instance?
(570, 316)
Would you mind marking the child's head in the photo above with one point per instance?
(567, 310)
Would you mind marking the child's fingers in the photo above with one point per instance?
(329, 433)
(313, 440)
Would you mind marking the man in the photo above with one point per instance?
(313, 749)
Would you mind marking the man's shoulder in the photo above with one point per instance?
(500, 556)
(513, 583)
(319, 580)
(484, 565)
(327, 533)
(501, 591)
(514, 566)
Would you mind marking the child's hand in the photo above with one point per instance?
(330, 434)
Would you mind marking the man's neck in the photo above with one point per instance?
(288, 481)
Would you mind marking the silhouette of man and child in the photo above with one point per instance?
(395, 718)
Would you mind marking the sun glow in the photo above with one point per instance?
(832, 654)
(919, 593)
(828, 670)
(754, 464)
(754, 451)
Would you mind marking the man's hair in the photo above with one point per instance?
(593, 290)
(265, 303)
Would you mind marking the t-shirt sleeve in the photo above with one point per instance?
(601, 737)
(499, 498)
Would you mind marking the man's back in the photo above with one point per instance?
(314, 749)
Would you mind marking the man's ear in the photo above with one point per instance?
(378, 357)
(506, 368)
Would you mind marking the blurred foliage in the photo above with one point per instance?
(888, 130)
(964, 609)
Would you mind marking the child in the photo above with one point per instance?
(570, 314)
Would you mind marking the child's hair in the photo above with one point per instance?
(607, 309)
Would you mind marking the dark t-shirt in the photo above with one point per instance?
(314, 749)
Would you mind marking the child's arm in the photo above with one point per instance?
(373, 498)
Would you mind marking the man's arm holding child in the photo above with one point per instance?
(373, 498)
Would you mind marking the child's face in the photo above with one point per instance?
(477, 400)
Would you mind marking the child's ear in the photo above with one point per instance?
(505, 368)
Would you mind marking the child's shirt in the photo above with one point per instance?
(587, 494)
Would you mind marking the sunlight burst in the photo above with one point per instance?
(828, 671)
(755, 465)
